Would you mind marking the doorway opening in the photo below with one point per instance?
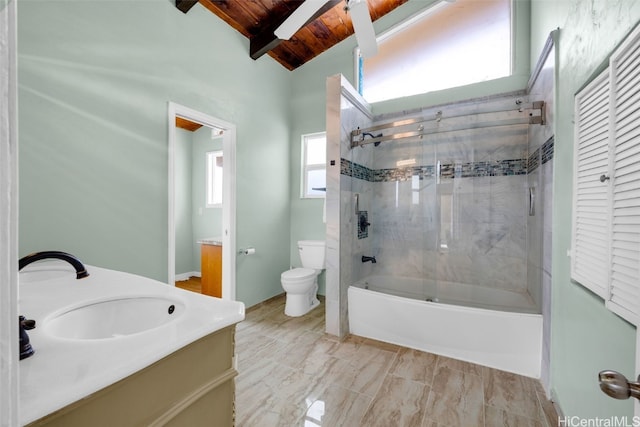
(193, 135)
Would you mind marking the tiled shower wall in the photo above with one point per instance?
(457, 214)
(346, 110)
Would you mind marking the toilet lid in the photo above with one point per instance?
(298, 273)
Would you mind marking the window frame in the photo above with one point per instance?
(305, 168)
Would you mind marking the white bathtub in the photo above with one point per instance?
(504, 340)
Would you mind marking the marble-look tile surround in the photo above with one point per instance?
(457, 214)
(293, 374)
(346, 110)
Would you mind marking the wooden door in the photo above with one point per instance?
(211, 269)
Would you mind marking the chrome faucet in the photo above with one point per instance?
(369, 258)
(81, 271)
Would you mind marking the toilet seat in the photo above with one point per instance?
(297, 275)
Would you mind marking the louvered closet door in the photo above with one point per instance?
(590, 257)
(625, 180)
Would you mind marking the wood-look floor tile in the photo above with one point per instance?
(252, 342)
(347, 348)
(293, 374)
(495, 417)
(368, 368)
(262, 418)
(511, 392)
(361, 378)
(253, 399)
(260, 311)
(287, 391)
(460, 365)
(261, 371)
(337, 406)
(287, 328)
(321, 365)
(548, 410)
(400, 402)
(298, 350)
(414, 365)
(456, 398)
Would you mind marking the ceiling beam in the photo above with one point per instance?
(266, 40)
(185, 5)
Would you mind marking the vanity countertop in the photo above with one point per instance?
(214, 241)
(65, 370)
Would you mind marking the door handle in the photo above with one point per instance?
(532, 201)
(616, 385)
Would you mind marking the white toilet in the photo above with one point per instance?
(301, 284)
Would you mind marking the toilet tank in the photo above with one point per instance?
(312, 253)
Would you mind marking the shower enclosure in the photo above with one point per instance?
(435, 224)
(441, 199)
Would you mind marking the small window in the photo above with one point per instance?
(451, 44)
(314, 165)
(214, 179)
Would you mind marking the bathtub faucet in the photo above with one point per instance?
(369, 258)
(81, 271)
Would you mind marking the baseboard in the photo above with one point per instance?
(185, 276)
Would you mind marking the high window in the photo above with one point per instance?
(451, 44)
(314, 165)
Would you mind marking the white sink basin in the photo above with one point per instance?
(113, 318)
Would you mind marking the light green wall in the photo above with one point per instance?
(94, 81)
(586, 337)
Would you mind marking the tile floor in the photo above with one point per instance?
(293, 374)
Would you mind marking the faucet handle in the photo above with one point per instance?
(26, 349)
(27, 324)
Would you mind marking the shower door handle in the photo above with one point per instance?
(532, 201)
(356, 203)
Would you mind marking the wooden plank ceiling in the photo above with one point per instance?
(187, 124)
(257, 20)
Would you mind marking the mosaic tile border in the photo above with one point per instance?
(534, 160)
(447, 170)
(355, 170)
(453, 170)
(547, 150)
(542, 155)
